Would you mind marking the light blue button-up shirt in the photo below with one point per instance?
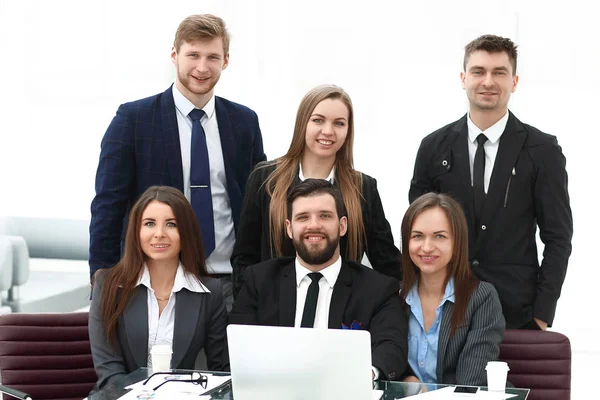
(423, 346)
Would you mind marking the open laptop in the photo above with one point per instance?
(299, 363)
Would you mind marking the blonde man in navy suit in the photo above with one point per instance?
(187, 138)
(510, 178)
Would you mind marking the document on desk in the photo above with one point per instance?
(448, 393)
(182, 389)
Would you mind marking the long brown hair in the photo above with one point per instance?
(458, 267)
(347, 179)
(120, 281)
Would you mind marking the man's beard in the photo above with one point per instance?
(317, 256)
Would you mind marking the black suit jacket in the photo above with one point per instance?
(253, 242)
(141, 148)
(528, 188)
(359, 294)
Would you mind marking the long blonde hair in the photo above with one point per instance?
(347, 179)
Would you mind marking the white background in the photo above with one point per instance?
(65, 66)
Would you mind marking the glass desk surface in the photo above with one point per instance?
(392, 390)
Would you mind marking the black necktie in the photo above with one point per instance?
(310, 306)
(200, 183)
(478, 177)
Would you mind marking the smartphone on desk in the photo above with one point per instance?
(465, 390)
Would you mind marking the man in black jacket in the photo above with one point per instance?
(318, 289)
(510, 178)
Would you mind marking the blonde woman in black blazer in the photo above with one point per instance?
(322, 147)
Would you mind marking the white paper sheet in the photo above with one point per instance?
(182, 389)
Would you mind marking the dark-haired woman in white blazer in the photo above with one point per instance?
(455, 321)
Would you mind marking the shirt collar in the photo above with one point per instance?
(493, 133)
(182, 280)
(329, 178)
(185, 106)
(330, 273)
(412, 298)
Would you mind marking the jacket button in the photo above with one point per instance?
(475, 264)
(483, 227)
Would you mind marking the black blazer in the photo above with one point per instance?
(359, 294)
(200, 322)
(528, 187)
(253, 242)
(141, 148)
(462, 357)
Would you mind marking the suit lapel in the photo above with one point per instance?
(170, 133)
(135, 318)
(187, 307)
(287, 296)
(462, 167)
(443, 338)
(339, 298)
(511, 143)
(227, 140)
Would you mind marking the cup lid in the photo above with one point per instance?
(497, 365)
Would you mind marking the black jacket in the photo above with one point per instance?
(528, 188)
(359, 294)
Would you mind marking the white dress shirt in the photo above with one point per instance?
(160, 328)
(219, 260)
(329, 178)
(330, 275)
(490, 147)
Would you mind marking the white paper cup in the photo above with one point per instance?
(161, 357)
(497, 372)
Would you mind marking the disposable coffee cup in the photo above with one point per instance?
(497, 372)
(161, 357)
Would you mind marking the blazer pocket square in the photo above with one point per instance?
(355, 325)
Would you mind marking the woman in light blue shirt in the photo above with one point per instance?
(455, 321)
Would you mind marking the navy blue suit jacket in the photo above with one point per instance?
(141, 148)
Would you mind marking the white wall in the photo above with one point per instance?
(65, 66)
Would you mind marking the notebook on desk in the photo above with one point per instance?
(299, 363)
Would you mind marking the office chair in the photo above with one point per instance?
(47, 355)
(540, 361)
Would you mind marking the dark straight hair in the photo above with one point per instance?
(315, 187)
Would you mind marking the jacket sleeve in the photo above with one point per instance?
(381, 250)
(555, 220)
(483, 340)
(420, 182)
(115, 178)
(108, 362)
(214, 347)
(258, 153)
(247, 248)
(245, 308)
(389, 334)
